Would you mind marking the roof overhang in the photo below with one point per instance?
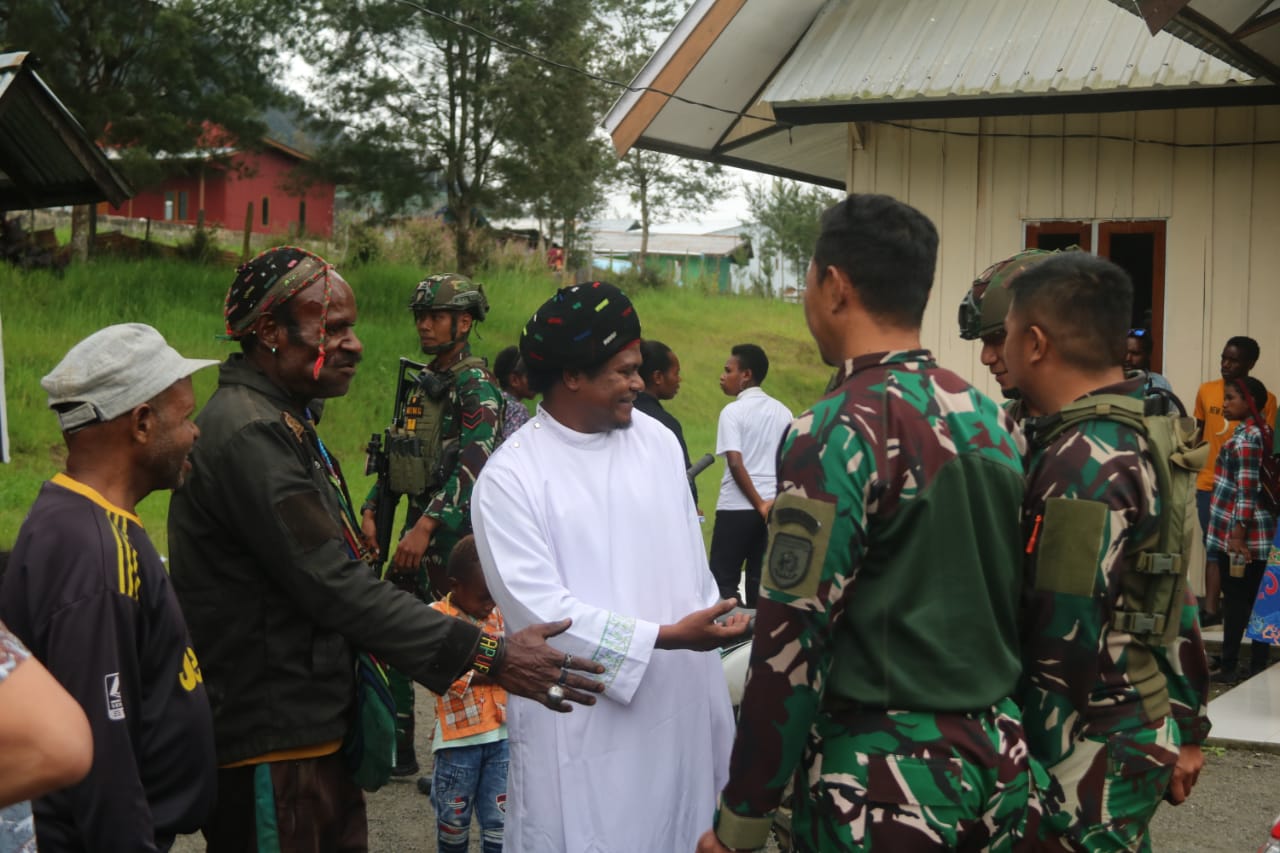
(287, 150)
(738, 83)
(46, 158)
(1245, 33)
(715, 64)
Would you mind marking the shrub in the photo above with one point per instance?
(516, 257)
(634, 279)
(366, 244)
(427, 243)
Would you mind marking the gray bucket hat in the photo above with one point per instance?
(112, 371)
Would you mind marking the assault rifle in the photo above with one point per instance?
(378, 463)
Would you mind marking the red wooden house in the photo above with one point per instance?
(224, 181)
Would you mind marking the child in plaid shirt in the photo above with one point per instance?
(470, 739)
(1239, 525)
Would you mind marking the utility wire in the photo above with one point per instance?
(780, 125)
(582, 72)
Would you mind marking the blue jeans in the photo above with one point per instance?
(470, 779)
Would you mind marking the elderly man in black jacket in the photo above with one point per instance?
(268, 563)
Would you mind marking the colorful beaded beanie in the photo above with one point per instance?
(268, 281)
(581, 326)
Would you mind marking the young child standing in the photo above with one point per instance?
(1238, 524)
(469, 745)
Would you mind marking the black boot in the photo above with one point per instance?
(406, 758)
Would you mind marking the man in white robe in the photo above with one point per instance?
(585, 513)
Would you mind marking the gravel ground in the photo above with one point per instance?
(1229, 812)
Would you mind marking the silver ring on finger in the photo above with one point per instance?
(568, 661)
(555, 695)
(564, 677)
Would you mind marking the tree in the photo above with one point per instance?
(664, 185)
(789, 213)
(660, 184)
(553, 164)
(435, 87)
(152, 77)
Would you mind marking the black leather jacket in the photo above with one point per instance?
(274, 601)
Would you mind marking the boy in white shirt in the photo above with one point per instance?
(751, 428)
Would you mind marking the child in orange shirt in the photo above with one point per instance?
(469, 745)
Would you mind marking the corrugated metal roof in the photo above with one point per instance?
(628, 243)
(46, 158)
(876, 51)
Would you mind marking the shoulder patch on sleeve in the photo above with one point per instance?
(799, 534)
(1071, 541)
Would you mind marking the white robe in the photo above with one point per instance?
(602, 528)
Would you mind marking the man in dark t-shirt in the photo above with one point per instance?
(87, 593)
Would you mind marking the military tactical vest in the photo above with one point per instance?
(419, 455)
(1154, 587)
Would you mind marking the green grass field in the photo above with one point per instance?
(44, 315)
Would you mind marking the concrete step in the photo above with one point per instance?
(1249, 713)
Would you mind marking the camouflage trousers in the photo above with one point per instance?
(908, 781)
(1105, 791)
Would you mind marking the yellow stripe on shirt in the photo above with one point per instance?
(126, 557)
(92, 494)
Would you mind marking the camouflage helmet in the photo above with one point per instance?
(450, 292)
(983, 308)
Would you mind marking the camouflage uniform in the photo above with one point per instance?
(1104, 711)
(882, 661)
(472, 419)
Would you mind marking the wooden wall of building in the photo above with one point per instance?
(982, 180)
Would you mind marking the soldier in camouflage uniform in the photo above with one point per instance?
(886, 643)
(982, 319)
(1114, 710)
(445, 307)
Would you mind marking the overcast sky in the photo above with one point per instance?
(732, 210)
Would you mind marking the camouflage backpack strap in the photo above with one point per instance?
(1154, 589)
(1111, 407)
(469, 362)
(1072, 530)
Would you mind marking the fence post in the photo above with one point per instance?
(248, 230)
